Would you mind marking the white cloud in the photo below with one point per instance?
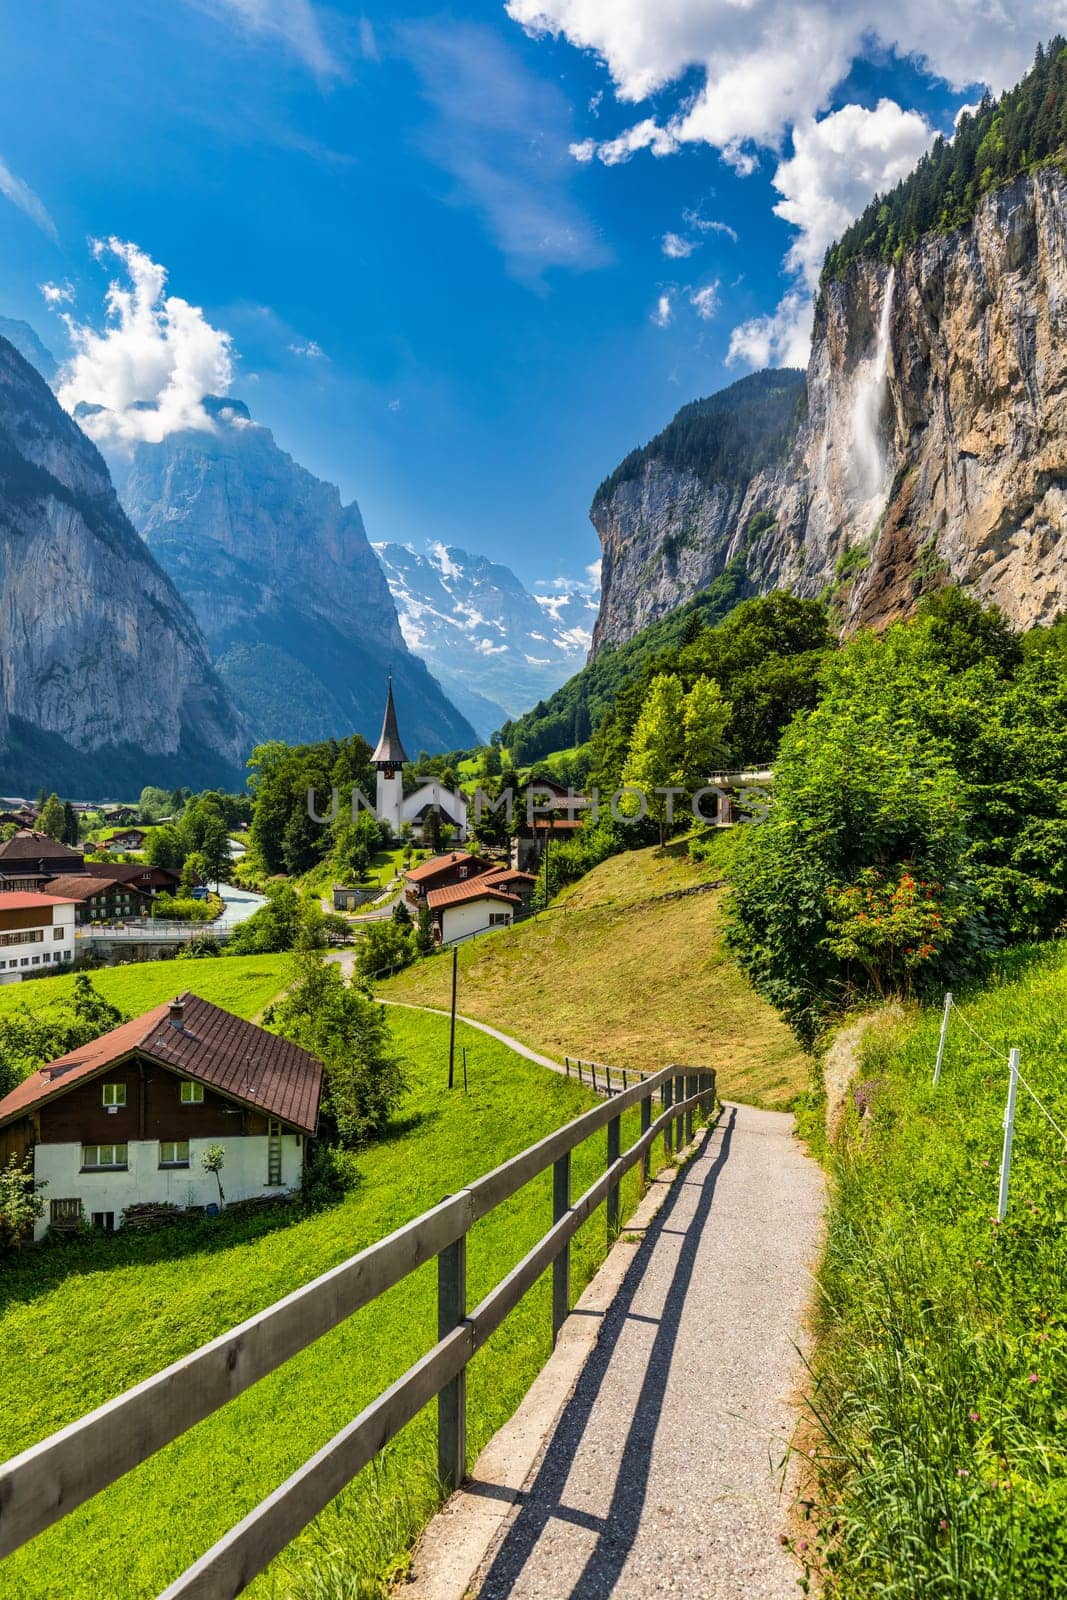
(153, 361)
(393, 405)
(838, 163)
(676, 247)
(705, 301)
(368, 42)
(778, 340)
(294, 22)
(769, 67)
(20, 194)
(769, 64)
(503, 134)
(310, 349)
(583, 151)
(57, 294)
(693, 219)
(663, 315)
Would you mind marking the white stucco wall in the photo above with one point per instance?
(434, 793)
(471, 916)
(16, 960)
(244, 1175)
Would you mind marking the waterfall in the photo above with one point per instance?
(869, 463)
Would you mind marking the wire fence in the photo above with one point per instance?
(1015, 1081)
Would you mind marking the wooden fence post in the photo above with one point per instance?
(607, 1071)
(452, 1401)
(646, 1159)
(614, 1146)
(561, 1267)
(592, 1068)
(666, 1096)
(679, 1121)
(690, 1091)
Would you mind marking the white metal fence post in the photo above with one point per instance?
(1009, 1129)
(944, 1035)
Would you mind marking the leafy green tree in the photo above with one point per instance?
(274, 927)
(52, 819)
(213, 1160)
(165, 848)
(705, 718)
(339, 1023)
(21, 1203)
(656, 756)
(401, 915)
(384, 947)
(425, 943)
(71, 832)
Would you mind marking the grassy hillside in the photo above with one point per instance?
(243, 984)
(617, 973)
(80, 1323)
(941, 1466)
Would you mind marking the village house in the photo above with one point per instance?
(36, 931)
(150, 880)
(126, 1119)
(116, 816)
(455, 866)
(29, 859)
(461, 910)
(129, 839)
(554, 815)
(100, 899)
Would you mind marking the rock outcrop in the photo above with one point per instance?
(105, 679)
(932, 448)
(284, 584)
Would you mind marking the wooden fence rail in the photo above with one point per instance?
(52, 1478)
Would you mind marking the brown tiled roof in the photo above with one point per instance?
(78, 886)
(126, 871)
(241, 1061)
(501, 875)
(438, 864)
(454, 894)
(29, 846)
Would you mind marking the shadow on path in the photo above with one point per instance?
(617, 1532)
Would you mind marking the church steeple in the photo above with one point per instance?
(389, 754)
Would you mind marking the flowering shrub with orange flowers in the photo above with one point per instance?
(889, 925)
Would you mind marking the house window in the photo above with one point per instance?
(104, 1220)
(192, 1093)
(65, 1213)
(114, 1094)
(499, 919)
(57, 933)
(174, 1152)
(104, 1158)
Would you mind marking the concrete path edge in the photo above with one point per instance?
(457, 1543)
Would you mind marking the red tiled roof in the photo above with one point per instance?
(502, 875)
(240, 1060)
(454, 894)
(77, 887)
(438, 864)
(19, 900)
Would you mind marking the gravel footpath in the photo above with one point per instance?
(663, 1474)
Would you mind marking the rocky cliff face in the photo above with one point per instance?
(284, 584)
(934, 445)
(104, 676)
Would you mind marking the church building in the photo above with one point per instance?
(392, 806)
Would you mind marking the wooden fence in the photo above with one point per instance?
(600, 1078)
(49, 1480)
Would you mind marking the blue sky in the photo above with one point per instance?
(466, 259)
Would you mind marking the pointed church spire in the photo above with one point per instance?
(389, 751)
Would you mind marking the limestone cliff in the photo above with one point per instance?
(932, 445)
(104, 676)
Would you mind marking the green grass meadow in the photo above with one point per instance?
(81, 1322)
(940, 1383)
(243, 984)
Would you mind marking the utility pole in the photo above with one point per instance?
(452, 1026)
